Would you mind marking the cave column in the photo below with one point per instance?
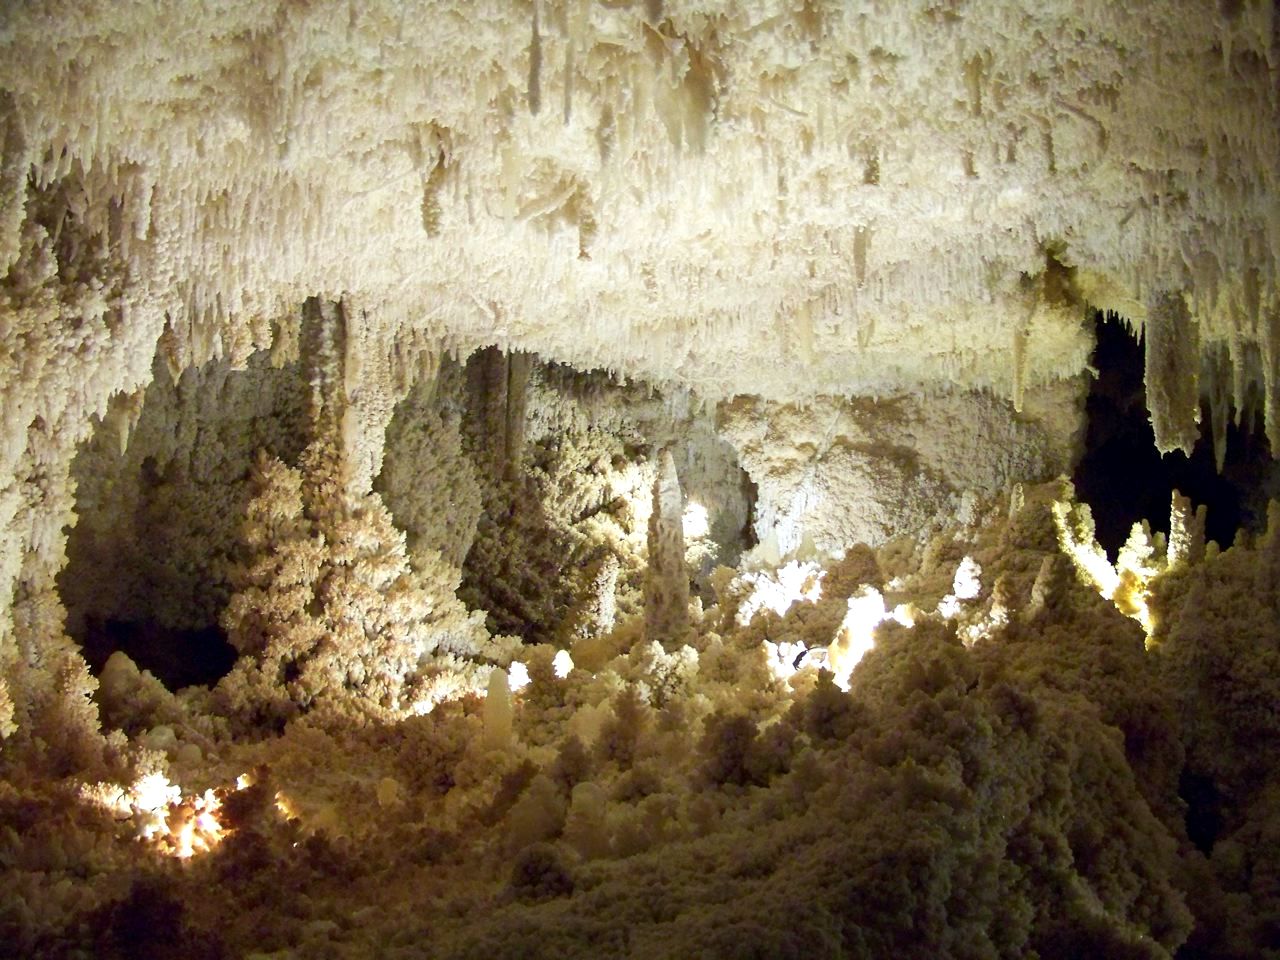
(498, 384)
(666, 582)
(359, 370)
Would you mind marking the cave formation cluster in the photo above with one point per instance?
(589, 478)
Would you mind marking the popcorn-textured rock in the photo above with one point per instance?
(852, 246)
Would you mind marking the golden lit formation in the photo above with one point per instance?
(639, 479)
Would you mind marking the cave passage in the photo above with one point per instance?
(177, 658)
(159, 515)
(1124, 478)
(1204, 820)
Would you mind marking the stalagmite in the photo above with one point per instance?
(498, 712)
(597, 612)
(1186, 532)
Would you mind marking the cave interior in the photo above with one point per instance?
(602, 478)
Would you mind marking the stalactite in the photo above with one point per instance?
(498, 382)
(324, 327)
(534, 90)
(1172, 372)
(518, 367)
(1021, 344)
(568, 82)
(14, 164)
(861, 246)
(431, 211)
(1269, 343)
(1218, 392)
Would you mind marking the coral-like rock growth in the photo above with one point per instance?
(326, 605)
(1006, 774)
(848, 246)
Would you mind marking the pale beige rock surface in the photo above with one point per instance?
(368, 330)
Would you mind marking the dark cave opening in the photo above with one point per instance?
(176, 657)
(750, 494)
(1124, 479)
(1204, 809)
(159, 510)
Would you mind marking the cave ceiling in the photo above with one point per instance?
(736, 197)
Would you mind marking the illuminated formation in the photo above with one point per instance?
(588, 478)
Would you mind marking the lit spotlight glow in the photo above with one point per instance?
(856, 634)
(193, 826)
(562, 664)
(154, 792)
(985, 626)
(1127, 584)
(517, 676)
(965, 585)
(793, 582)
(171, 822)
(695, 521)
(784, 657)
(904, 614)
(150, 798)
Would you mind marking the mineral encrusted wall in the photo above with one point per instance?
(552, 481)
(576, 487)
(833, 199)
(747, 211)
(837, 200)
(837, 472)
